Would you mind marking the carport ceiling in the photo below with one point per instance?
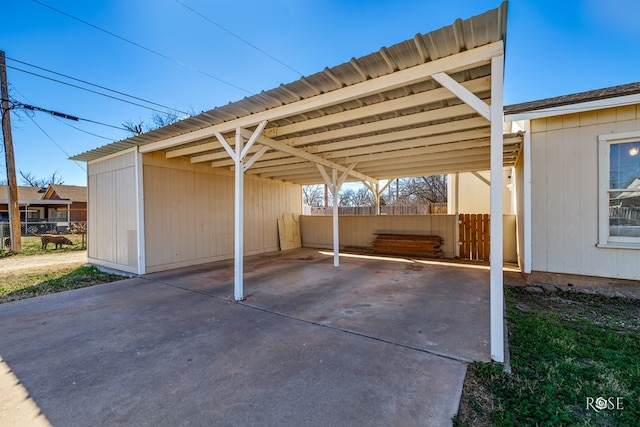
(384, 112)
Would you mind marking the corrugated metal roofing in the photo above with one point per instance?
(405, 129)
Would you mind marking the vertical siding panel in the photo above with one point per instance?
(627, 267)
(555, 206)
(92, 225)
(109, 208)
(150, 215)
(588, 202)
(570, 149)
(539, 201)
(200, 207)
(111, 212)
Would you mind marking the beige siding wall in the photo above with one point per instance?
(189, 212)
(111, 213)
(474, 193)
(564, 219)
(519, 189)
(358, 231)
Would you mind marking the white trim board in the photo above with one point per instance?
(581, 107)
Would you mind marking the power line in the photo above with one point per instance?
(84, 131)
(63, 115)
(86, 89)
(143, 47)
(56, 144)
(61, 121)
(238, 37)
(98, 86)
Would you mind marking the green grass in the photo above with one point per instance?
(17, 286)
(32, 245)
(565, 348)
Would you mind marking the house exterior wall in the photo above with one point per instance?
(189, 216)
(473, 193)
(358, 231)
(564, 194)
(78, 211)
(111, 213)
(519, 189)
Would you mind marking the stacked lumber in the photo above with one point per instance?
(415, 245)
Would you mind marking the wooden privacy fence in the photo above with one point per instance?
(474, 236)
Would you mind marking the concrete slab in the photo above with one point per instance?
(311, 345)
(440, 307)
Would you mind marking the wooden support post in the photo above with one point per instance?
(238, 288)
(238, 154)
(334, 183)
(496, 227)
(14, 213)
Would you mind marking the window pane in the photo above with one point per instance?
(624, 171)
(624, 214)
(624, 206)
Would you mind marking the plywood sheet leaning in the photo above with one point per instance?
(289, 231)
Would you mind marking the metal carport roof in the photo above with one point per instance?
(384, 112)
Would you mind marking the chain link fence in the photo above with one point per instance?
(43, 227)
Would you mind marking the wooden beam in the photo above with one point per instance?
(207, 146)
(403, 103)
(481, 178)
(276, 145)
(255, 157)
(463, 93)
(440, 140)
(381, 126)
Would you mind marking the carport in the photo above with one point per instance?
(429, 105)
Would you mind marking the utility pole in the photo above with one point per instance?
(14, 213)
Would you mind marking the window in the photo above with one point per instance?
(619, 195)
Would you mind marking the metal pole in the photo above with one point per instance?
(14, 213)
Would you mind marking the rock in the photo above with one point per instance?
(534, 289)
(549, 288)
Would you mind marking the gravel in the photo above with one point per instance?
(33, 262)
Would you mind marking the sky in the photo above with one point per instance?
(194, 55)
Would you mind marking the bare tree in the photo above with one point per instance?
(313, 195)
(359, 197)
(134, 128)
(425, 189)
(31, 180)
(158, 120)
(347, 197)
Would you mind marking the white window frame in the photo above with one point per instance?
(604, 144)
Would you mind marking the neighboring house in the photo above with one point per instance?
(55, 204)
(74, 193)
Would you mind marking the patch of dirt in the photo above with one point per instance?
(476, 402)
(31, 263)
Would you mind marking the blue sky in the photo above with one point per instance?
(553, 48)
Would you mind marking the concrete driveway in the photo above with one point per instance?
(374, 342)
